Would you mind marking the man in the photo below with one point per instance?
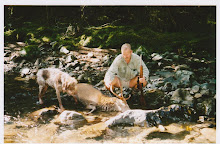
(125, 70)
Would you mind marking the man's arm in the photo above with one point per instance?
(112, 71)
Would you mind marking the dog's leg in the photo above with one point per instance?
(59, 100)
(42, 90)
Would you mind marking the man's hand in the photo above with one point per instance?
(142, 80)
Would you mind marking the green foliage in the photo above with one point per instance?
(151, 29)
(31, 52)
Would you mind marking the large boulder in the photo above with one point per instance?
(71, 119)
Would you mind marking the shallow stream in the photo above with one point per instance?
(20, 100)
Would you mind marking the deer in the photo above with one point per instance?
(92, 98)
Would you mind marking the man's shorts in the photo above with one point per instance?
(125, 84)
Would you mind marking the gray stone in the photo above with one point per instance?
(180, 73)
(156, 57)
(64, 50)
(24, 72)
(154, 77)
(181, 96)
(198, 95)
(165, 74)
(69, 59)
(204, 86)
(71, 118)
(195, 89)
(205, 92)
(181, 67)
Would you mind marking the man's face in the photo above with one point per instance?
(126, 54)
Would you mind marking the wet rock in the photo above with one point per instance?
(172, 113)
(181, 96)
(209, 134)
(71, 118)
(44, 115)
(9, 119)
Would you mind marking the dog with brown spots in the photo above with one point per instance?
(60, 81)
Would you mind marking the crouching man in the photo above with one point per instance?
(125, 70)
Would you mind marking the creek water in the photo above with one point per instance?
(20, 100)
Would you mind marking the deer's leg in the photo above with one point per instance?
(92, 107)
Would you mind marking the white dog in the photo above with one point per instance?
(60, 81)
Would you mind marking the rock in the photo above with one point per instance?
(22, 44)
(24, 72)
(71, 118)
(181, 73)
(205, 92)
(156, 77)
(165, 74)
(181, 96)
(90, 55)
(44, 115)
(195, 89)
(204, 86)
(81, 77)
(181, 67)
(206, 107)
(69, 59)
(9, 119)
(184, 77)
(201, 119)
(64, 50)
(209, 133)
(156, 57)
(161, 128)
(37, 62)
(167, 86)
(23, 53)
(198, 95)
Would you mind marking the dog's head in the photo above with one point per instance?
(69, 85)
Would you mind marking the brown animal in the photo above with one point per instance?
(60, 81)
(93, 98)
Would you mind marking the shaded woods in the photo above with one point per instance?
(184, 30)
